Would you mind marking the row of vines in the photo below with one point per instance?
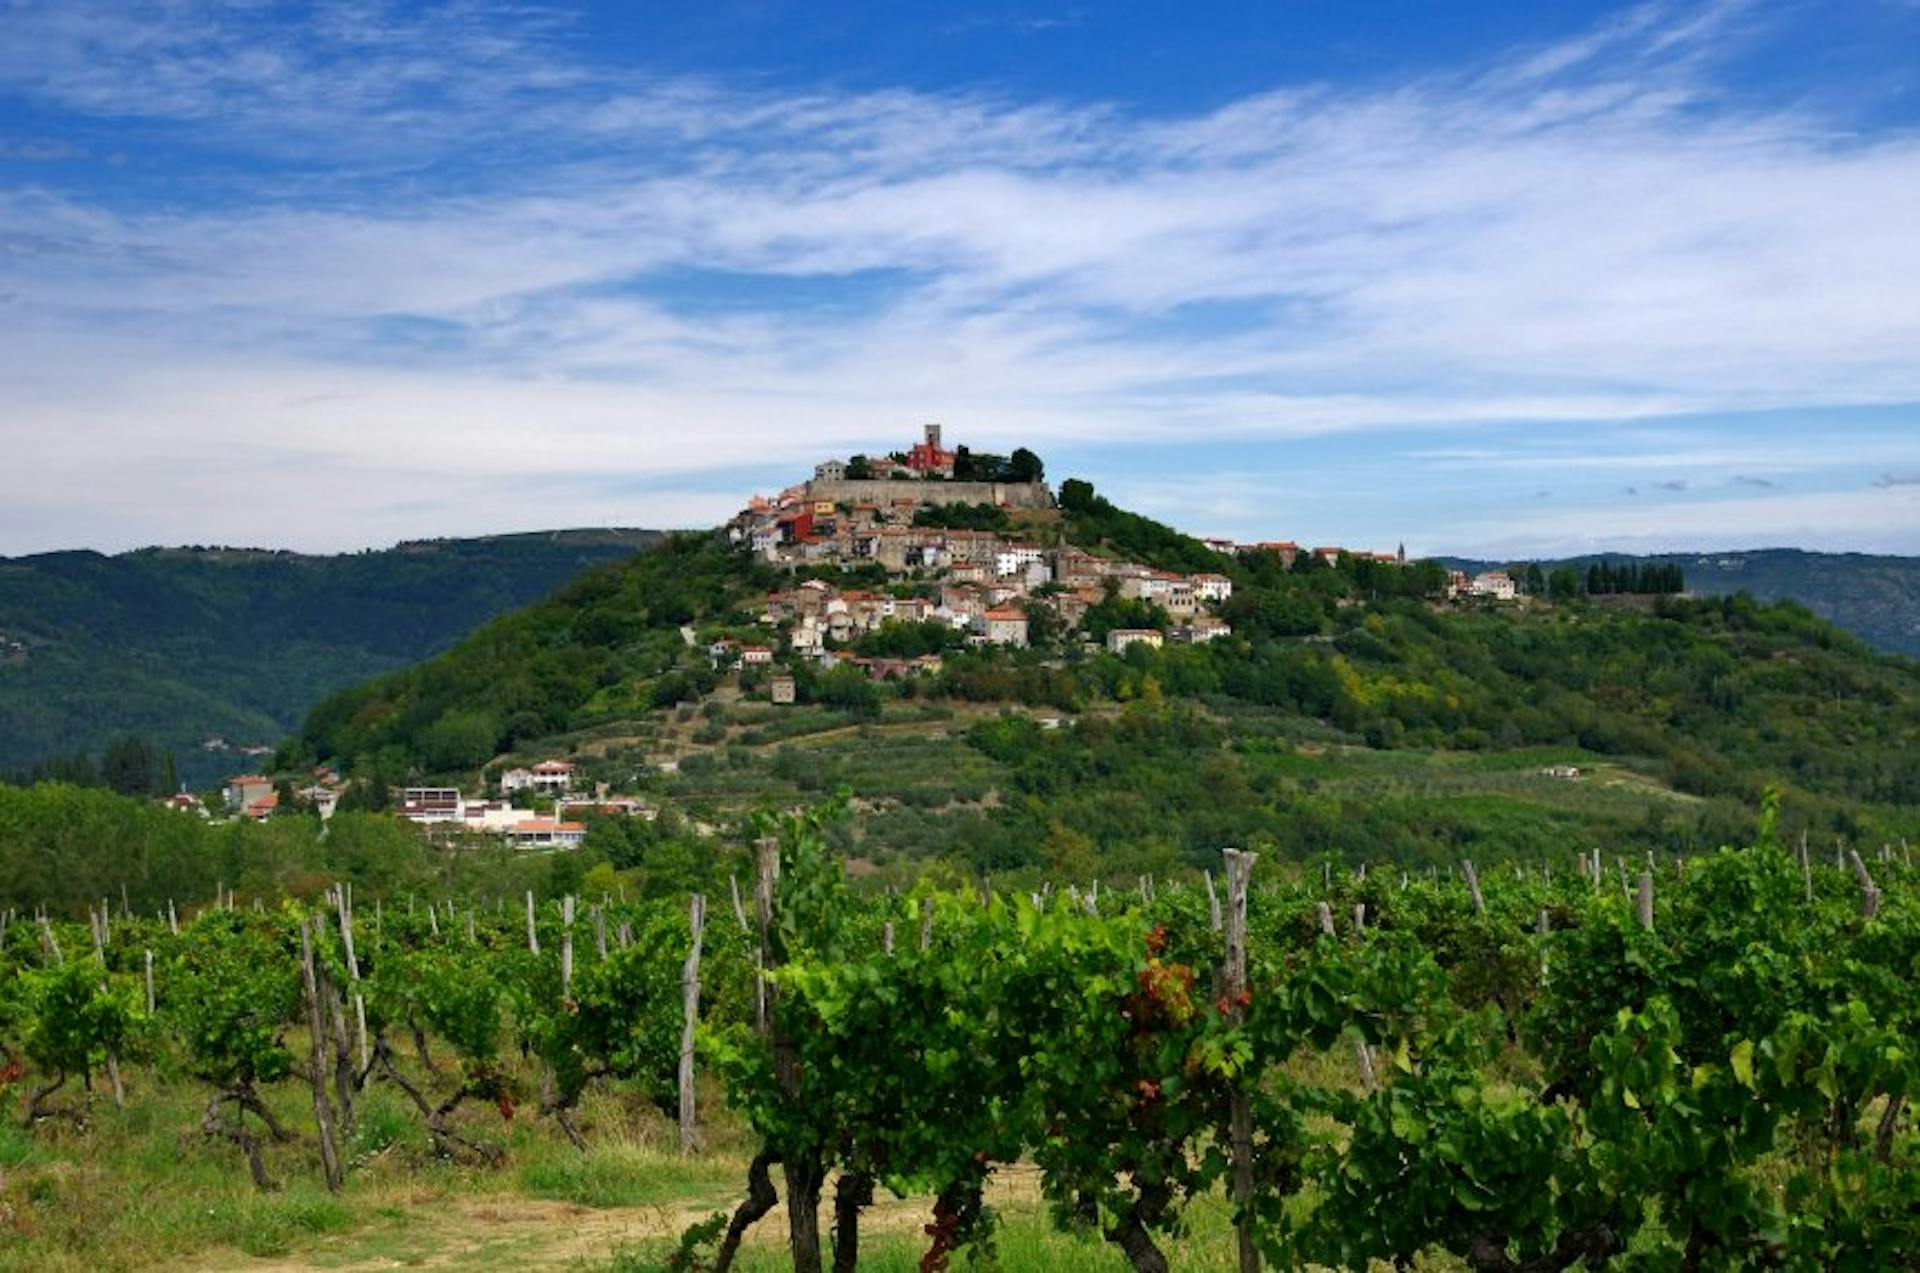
(1708, 1066)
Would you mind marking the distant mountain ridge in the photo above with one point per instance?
(185, 644)
(1877, 598)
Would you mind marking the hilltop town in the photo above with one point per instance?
(894, 565)
(973, 544)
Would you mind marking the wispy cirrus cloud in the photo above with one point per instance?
(463, 223)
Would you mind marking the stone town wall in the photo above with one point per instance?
(884, 491)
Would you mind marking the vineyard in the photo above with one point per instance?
(1699, 1063)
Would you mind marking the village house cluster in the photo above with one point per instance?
(258, 797)
(981, 583)
(448, 808)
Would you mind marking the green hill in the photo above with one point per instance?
(182, 644)
(1877, 598)
(1351, 711)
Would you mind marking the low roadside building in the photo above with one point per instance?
(547, 833)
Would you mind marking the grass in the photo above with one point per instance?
(891, 1242)
(624, 1173)
(141, 1188)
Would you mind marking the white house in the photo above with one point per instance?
(1497, 584)
(547, 833)
(549, 777)
(1212, 588)
(431, 804)
(1120, 638)
(1204, 628)
(1012, 559)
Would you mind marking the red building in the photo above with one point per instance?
(929, 456)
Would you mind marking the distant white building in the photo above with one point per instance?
(1497, 584)
(431, 804)
(1212, 588)
(1013, 559)
(547, 833)
(1204, 628)
(549, 777)
(1120, 639)
(830, 471)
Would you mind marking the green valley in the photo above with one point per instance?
(183, 645)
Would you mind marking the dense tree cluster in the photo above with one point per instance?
(962, 517)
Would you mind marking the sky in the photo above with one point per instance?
(1481, 278)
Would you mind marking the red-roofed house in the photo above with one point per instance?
(245, 789)
(547, 833)
(1006, 626)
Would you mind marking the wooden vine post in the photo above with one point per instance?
(533, 935)
(767, 875)
(566, 946)
(739, 911)
(1869, 892)
(1239, 867)
(690, 1016)
(345, 909)
(1643, 901)
(317, 1033)
(1473, 886)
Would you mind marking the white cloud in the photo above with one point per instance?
(461, 252)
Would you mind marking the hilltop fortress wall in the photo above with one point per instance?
(884, 491)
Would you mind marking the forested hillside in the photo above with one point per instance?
(179, 644)
(1681, 711)
(1876, 598)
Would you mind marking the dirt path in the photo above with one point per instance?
(504, 1232)
(512, 1232)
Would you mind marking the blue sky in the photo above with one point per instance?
(1488, 278)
